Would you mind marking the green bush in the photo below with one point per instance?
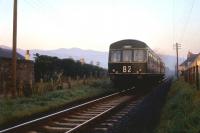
(47, 68)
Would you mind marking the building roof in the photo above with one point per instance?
(7, 53)
(190, 58)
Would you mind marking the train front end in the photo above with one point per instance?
(127, 63)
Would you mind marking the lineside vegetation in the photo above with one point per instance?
(47, 68)
(23, 107)
(52, 73)
(181, 114)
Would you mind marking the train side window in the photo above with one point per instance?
(127, 55)
(115, 56)
(140, 55)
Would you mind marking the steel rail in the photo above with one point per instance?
(63, 111)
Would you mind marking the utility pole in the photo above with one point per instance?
(14, 53)
(177, 46)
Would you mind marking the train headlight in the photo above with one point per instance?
(140, 70)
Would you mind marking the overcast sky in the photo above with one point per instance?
(95, 24)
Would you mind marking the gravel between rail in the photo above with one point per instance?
(144, 116)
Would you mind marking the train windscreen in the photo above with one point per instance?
(140, 55)
(115, 56)
(127, 55)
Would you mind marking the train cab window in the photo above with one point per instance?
(140, 55)
(115, 56)
(127, 55)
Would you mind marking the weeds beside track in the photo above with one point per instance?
(13, 110)
(181, 113)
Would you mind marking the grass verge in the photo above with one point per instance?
(181, 114)
(23, 107)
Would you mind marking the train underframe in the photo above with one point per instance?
(124, 81)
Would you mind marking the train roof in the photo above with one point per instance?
(134, 44)
(129, 42)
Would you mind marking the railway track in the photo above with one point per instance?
(109, 124)
(134, 112)
(79, 118)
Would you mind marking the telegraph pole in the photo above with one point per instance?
(14, 53)
(178, 46)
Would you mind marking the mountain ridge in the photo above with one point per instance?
(88, 55)
(75, 53)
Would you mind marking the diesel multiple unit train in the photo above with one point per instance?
(132, 62)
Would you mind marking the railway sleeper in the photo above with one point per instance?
(93, 111)
(65, 124)
(72, 120)
(87, 114)
(80, 117)
(52, 129)
(100, 129)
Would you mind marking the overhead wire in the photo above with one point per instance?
(40, 5)
(173, 22)
(41, 8)
(32, 4)
(186, 22)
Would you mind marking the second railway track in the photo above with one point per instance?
(78, 118)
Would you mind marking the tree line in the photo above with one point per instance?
(48, 67)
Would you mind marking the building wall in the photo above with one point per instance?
(25, 75)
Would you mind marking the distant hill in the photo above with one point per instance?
(7, 53)
(170, 61)
(89, 55)
(75, 53)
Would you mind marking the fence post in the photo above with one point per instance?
(194, 74)
(69, 82)
(189, 75)
(197, 77)
(21, 88)
(84, 79)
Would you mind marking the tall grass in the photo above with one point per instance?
(181, 113)
(43, 87)
(15, 109)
